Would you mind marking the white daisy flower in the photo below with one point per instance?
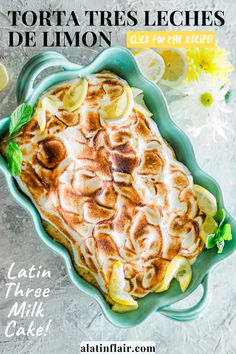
(200, 106)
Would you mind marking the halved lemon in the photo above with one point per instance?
(116, 286)
(3, 77)
(139, 103)
(179, 268)
(176, 67)
(150, 63)
(209, 227)
(75, 96)
(206, 201)
(124, 308)
(120, 108)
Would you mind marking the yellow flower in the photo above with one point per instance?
(209, 60)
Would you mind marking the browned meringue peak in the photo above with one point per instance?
(51, 152)
(114, 189)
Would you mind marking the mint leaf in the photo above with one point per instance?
(20, 117)
(226, 232)
(211, 241)
(218, 234)
(14, 158)
(220, 245)
(220, 217)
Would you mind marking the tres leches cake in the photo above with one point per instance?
(109, 188)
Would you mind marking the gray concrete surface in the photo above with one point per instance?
(75, 316)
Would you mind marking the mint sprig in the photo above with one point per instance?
(14, 158)
(222, 234)
(19, 117)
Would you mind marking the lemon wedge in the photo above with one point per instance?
(206, 201)
(120, 108)
(3, 77)
(116, 286)
(41, 114)
(136, 91)
(179, 268)
(150, 63)
(124, 308)
(141, 107)
(139, 103)
(209, 227)
(176, 67)
(50, 103)
(54, 101)
(75, 96)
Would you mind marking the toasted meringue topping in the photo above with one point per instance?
(112, 187)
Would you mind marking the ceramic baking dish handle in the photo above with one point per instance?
(34, 67)
(193, 312)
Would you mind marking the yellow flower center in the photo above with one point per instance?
(206, 99)
(204, 64)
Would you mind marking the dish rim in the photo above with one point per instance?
(46, 239)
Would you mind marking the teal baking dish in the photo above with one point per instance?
(121, 61)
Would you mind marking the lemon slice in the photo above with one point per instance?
(209, 227)
(120, 108)
(124, 308)
(175, 66)
(116, 286)
(75, 96)
(3, 77)
(179, 268)
(150, 63)
(206, 201)
(139, 50)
